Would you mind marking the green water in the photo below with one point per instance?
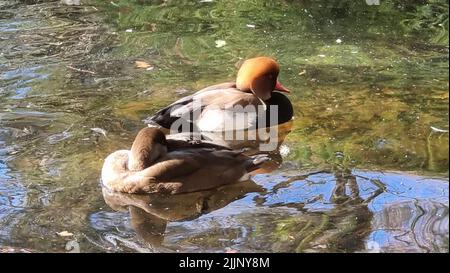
(369, 85)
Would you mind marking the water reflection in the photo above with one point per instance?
(368, 102)
(412, 225)
(346, 226)
(150, 213)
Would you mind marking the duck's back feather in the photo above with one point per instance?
(182, 170)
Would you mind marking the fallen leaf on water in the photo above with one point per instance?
(142, 64)
(64, 233)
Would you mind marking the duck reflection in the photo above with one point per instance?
(344, 228)
(151, 213)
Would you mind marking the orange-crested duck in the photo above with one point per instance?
(224, 106)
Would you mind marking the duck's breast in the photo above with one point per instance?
(228, 110)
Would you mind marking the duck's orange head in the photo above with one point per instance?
(259, 76)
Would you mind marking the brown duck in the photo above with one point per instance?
(156, 164)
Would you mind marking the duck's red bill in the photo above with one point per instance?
(280, 87)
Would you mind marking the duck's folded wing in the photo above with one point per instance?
(170, 169)
(166, 116)
(190, 108)
(161, 177)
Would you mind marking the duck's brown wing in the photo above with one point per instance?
(160, 177)
(191, 170)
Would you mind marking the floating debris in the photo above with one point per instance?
(338, 41)
(64, 233)
(143, 65)
(438, 130)
(250, 26)
(220, 43)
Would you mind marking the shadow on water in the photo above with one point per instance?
(371, 112)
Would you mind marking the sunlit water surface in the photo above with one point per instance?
(364, 168)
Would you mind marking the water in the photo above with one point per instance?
(362, 168)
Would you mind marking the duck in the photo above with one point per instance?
(157, 164)
(216, 108)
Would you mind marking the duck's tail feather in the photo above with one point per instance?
(166, 116)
